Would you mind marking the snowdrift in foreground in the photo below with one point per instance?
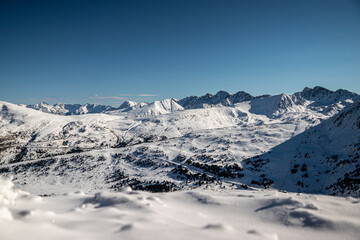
(199, 214)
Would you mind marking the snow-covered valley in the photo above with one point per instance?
(233, 166)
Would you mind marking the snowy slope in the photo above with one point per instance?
(324, 159)
(205, 214)
(30, 134)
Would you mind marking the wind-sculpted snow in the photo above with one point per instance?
(195, 214)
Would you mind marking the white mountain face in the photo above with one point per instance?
(222, 140)
(147, 109)
(278, 105)
(129, 105)
(70, 109)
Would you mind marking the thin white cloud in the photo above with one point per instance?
(123, 96)
(147, 95)
(107, 97)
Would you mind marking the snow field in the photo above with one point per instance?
(206, 214)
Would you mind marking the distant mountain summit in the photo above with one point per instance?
(208, 100)
(323, 96)
(148, 109)
(71, 109)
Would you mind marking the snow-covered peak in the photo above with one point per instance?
(221, 98)
(148, 109)
(241, 96)
(170, 105)
(159, 107)
(128, 104)
(71, 109)
(323, 96)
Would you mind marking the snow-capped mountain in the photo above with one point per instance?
(71, 109)
(221, 98)
(323, 96)
(163, 146)
(323, 159)
(130, 105)
(147, 109)
(318, 98)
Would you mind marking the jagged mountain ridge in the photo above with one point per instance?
(71, 109)
(147, 109)
(220, 98)
(316, 97)
(323, 96)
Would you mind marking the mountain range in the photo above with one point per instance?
(319, 96)
(302, 142)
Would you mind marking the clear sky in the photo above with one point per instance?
(110, 51)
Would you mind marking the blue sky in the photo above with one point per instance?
(110, 51)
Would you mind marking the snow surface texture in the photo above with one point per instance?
(205, 214)
(304, 142)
